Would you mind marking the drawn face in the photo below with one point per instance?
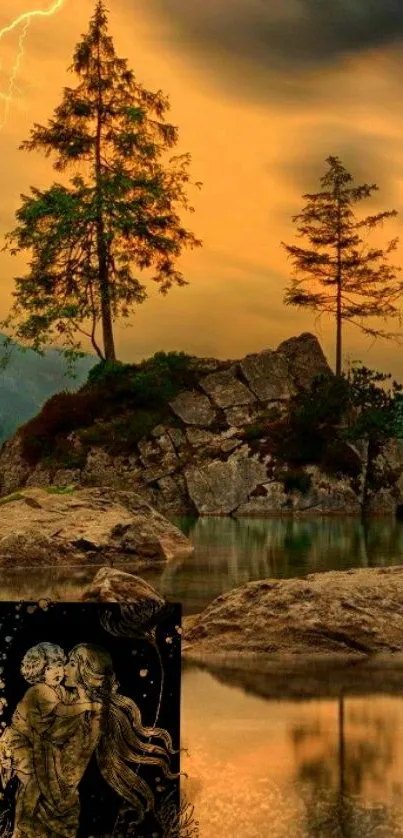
(54, 673)
(71, 673)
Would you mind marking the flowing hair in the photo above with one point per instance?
(122, 732)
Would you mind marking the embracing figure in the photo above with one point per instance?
(71, 711)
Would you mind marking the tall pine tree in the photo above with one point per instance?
(347, 278)
(119, 214)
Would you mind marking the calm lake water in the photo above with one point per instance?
(327, 767)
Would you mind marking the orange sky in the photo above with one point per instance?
(258, 127)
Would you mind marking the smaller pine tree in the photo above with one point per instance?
(347, 279)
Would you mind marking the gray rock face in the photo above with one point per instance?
(197, 437)
(326, 495)
(242, 415)
(220, 487)
(267, 376)
(14, 469)
(387, 470)
(193, 408)
(225, 390)
(98, 526)
(305, 358)
(352, 613)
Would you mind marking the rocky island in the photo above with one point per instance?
(203, 437)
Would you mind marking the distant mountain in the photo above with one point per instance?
(30, 379)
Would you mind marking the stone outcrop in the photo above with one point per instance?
(84, 526)
(327, 494)
(387, 479)
(194, 409)
(304, 358)
(212, 455)
(226, 390)
(268, 376)
(218, 488)
(354, 613)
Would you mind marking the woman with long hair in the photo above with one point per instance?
(110, 727)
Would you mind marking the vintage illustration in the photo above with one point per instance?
(90, 721)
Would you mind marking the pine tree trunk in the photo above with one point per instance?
(103, 267)
(338, 300)
(106, 315)
(338, 331)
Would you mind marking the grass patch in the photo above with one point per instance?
(61, 490)
(11, 498)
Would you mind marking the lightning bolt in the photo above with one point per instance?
(23, 20)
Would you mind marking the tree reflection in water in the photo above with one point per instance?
(336, 774)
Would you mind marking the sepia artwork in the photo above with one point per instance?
(89, 705)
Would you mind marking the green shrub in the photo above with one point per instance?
(340, 458)
(299, 443)
(61, 414)
(122, 434)
(129, 431)
(252, 432)
(159, 380)
(296, 480)
(112, 388)
(106, 371)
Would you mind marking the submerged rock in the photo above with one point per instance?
(85, 526)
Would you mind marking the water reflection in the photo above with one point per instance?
(230, 552)
(311, 769)
(56, 583)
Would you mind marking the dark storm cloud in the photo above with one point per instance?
(370, 158)
(245, 44)
(286, 33)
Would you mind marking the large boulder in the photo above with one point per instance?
(340, 613)
(305, 359)
(111, 585)
(226, 390)
(193, 408)
(219, 487)
(85, 526)
(267, 375)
